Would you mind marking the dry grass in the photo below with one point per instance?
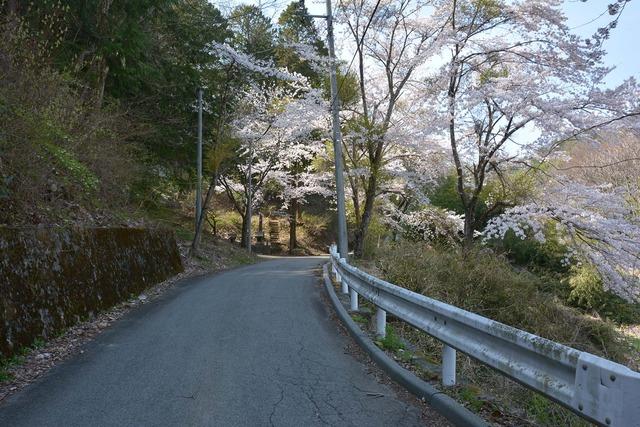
(481, 282)
(485, 284)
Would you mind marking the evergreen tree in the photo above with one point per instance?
(296, 27)
(253, 32)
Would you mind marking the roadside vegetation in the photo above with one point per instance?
(564, 304)
(485, 283)
(482, 168)
(97, 101)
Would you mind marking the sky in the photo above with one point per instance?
(622, 48)
(585, 18)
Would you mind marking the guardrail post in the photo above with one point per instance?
(594, 388)
(381, 322)
(354, 300)
(448, 366)
(345, 287)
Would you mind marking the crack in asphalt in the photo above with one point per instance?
(326, 399)
(311, 398)
(275, 406)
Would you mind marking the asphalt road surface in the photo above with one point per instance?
(255, 346)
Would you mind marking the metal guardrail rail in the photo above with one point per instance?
(596, 389)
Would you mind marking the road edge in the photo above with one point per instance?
(57, 350)
(443, 404)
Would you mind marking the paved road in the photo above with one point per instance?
(252, 346)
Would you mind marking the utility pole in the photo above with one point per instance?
(249, 198)
(199, 162)
(343, 247)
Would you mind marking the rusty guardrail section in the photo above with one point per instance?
(596, 389)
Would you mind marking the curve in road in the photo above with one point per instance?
(250, 346)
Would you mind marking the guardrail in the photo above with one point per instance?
(596, 389)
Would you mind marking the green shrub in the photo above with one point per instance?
(587, 292)
(376, 233)
(576, 286)
(316, 231)
(529, 252)
(471, 396)
(445, 195)
(229, 222)
(541, 409)
(586, 286)
(79, 171)
(485, 283)
(359, 319)
(391, 341)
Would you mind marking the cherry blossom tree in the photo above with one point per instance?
(392, 41)
(298, 179)
(239, 69)
(430, 224)
(590, 195)
(273, 127)
(511, 70)
(613, 159)
(614, 10)
(242, 69)
(257, 153)
(410, 173)
(596, 224)
(297, 175)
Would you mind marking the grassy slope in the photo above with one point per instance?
(489, 285)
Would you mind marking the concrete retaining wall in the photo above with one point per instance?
(51, 278)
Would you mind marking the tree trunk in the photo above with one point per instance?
(293, 225)
(203, 213)
(102, 81)
(361, 232)
(469, 225)
(246, 224)
(101, 65)
(214, 225)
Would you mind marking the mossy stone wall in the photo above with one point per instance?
(51, 278)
